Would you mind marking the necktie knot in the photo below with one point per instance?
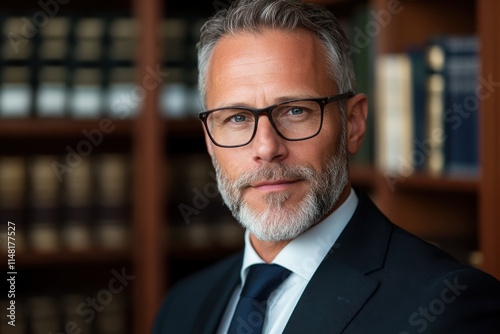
(261, 281)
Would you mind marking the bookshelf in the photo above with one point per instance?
(49, 279)
(457, 212)
(489, 190)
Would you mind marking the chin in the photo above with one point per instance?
(280, 221)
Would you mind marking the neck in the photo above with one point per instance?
(268, 250)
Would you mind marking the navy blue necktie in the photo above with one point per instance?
(261, 280)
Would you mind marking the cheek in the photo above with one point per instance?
(229, 161)
(322, 148)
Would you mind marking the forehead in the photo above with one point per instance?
(268, 60)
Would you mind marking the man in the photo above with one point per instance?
(277, 83)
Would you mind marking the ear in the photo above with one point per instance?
(356, 113)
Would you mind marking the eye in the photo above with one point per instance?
(296, 111)
(238, 118)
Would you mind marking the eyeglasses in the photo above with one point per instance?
(293, 120)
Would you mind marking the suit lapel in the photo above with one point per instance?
(347, 293)
(214, 306)
(342, 285)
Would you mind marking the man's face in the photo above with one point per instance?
(277, 188)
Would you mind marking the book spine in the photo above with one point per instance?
(112, 229)
(86, 81)
(51, 95)
(452, 106)
(16, 74)
(420, 141)
(13, 175)
(462, 107)
(435, 106)
(43, 232)
(394, 132)
(121, 97)
(77, 208)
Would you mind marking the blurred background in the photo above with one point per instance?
(104, 173)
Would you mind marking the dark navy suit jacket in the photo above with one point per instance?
(377, 278)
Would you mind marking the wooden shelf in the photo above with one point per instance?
(24, 7)
(37, 259)
(185, 127)
(367, 177)
(459, 211)
(56, 128)
(444, 17)
(441, 183)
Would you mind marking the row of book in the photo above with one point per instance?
(67, 313)
(427, 107)
(55, 205)
(77, 207)
(84, 67)
(197, 216)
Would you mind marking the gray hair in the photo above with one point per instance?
(288, 15)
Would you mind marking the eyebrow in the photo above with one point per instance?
(278, 100)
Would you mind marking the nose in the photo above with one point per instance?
(267, 145)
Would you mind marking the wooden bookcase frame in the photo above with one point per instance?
(150, 251)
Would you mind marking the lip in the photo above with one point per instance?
(273, 184)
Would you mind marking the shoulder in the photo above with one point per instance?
(198, 282)
(438, 293)
(423, 262)
(185, 298)
(466, 300)
(397, 249)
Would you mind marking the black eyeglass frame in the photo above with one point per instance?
(322, 102)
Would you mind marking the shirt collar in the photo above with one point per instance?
(304, 254)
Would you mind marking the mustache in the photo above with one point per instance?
(274, 171)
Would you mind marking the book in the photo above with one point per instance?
(123, 34)
(363, 55)
(452, 104)
(18, 44)
(44, 315)
(51, 68)
(17, 74)
(88, 40)
(112, 228)
(434, 123)
(123, 97)
(71, 307)
(77, 207)
(418, 76)
(394, 118)
(86, 95)
(43, 205)
(54, 41)
(179, 97)
(173, 33)
(86, 68)
(51, 92)
(13, 175)
(120, 99)
(16, 92)
(175, 95)
(113, 318)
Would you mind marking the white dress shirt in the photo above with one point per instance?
(302, 257)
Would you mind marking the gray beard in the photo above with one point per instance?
(279, 222)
